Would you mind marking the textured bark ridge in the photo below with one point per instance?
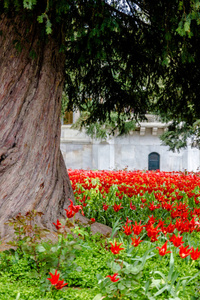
(32, 171)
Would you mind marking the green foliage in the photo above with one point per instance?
(117, 54)
(33, 259)
(91, 260)
(45, 17)
(141, 272)
(179, 135)
(176, 137)
(39, 257)
(29, 4)
(20, 290)
(101, 130)
(95, 209)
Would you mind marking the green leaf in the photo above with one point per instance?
(18, 296)
(161, 274)
(40, 19)
(174, 277)
(79, 269)
(187, 25)
(48, 27)
(98, 297)
(115, 267)
(40, 248)
(171, 264)
(121, 286)
(161, 290)
(197, 274)
(156, 283)
(130, 269)
(99, 277)
(55, 248)
(146, 286)
(28, 4)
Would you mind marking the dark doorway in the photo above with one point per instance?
(154, 161)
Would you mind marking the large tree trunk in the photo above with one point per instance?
(32, 171)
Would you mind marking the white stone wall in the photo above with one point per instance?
(131, 151)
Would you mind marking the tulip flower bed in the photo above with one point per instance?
(152, 253)
(107, 195)
(154, 212)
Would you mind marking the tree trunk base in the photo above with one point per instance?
(52, 235)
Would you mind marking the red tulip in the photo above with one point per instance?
(59, 284)
(54, 278)
(117, 207)
(176, 240)
(137, 228)
(115, 249)
(184, 252)
(163, 249)
(127, 229)
(58, 225)
(132, 207)
(113, 277)
(136, 242)
(105, 206)
(195, 254)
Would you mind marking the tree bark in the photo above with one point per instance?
(32, 170)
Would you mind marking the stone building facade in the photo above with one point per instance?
(140, 150)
